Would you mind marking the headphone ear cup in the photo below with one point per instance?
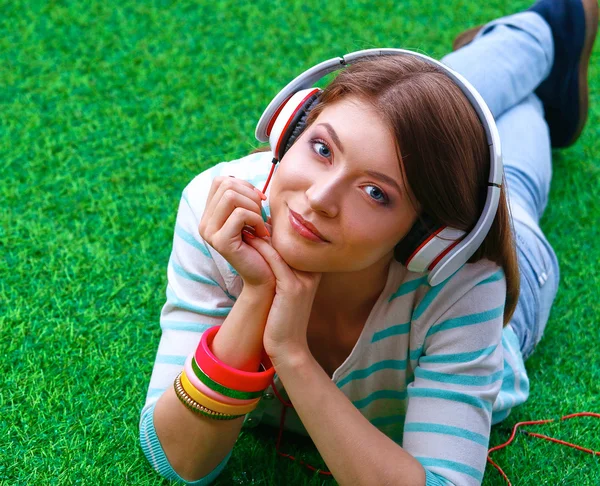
(423, 228)
(290, 120)
(299, 123)
(426, 244)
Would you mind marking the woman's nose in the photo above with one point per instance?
(324, 196)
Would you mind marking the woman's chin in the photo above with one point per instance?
(297, 256)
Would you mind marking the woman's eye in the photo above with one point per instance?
(378, 195)
(321, 148)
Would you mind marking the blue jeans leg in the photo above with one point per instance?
(527, 157)
(506, 62)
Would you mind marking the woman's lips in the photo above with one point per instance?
(302, 230)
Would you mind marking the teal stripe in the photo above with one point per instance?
(446, 430)
(219, 312)
(459, 357)
(431, 294)
(509, 396)
(380, 395)
(183, 326)
(511, 345)
(466, 380)
(171, 359)
(231, 269)
(408, 287)
(508, 380)
(433, 479)
(416, 353)
(499, 415)
(453, 396)
(467, 320)
(499, 275)
(391, 420)
(263, 213)
(395, 330)
(189, 238)
(179, 270)
(393, 364)
(452, 465)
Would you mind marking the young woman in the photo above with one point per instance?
(396, 380)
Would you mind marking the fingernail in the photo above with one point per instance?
(248, 234)
(262, 196)
(267, 230)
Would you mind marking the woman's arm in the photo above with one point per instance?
(201, 293)
(194, 444)
(355, 451)
(450, 401)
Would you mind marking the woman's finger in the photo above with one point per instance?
(232, 201)
(279, 267)
(224, 190)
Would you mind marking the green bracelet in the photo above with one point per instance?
(195, 407)
(213, 385)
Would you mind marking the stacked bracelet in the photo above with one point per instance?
(227, 376)
(195, 406)
(210, 387)
(192, 376)
(223, 390)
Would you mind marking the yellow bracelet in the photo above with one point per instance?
(208, 402)
(196, 407)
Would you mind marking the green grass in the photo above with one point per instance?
(107, 110)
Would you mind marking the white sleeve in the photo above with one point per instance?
(202, 288)
(456, 382)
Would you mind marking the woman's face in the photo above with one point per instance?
(329, 178)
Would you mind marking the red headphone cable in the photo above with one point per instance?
(287, 405)
(551, 439)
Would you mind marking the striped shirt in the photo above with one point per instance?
(433, 368)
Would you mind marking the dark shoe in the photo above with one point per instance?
(564, 93)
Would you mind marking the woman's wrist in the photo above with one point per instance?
(239, 342)
(260, 295)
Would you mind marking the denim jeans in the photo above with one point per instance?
(506, 62)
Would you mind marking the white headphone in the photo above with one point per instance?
(441, 251)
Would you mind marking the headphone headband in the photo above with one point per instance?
(463, 250)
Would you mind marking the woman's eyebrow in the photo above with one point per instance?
(333, 135)
(385, 178)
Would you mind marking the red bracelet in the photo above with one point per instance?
(226, 375)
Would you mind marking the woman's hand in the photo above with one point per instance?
(232, 204)
(287, 323)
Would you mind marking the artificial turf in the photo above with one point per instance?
(107, 110)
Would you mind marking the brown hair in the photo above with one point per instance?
(441, 143)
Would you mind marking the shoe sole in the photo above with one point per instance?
(590, 8)
(465, 37)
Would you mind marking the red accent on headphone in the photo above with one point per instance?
(274, 117)
(443, 254)
(300, 105)
(423, 244)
